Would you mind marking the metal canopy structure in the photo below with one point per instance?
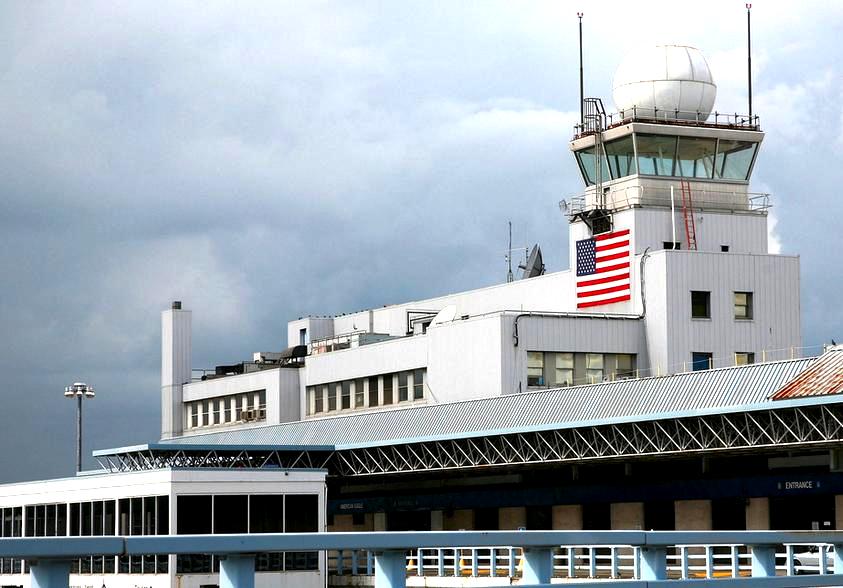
(783, 425)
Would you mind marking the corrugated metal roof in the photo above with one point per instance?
(824, 377)
(643, 399)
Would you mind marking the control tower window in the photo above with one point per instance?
(695, 157)
(734, 159)
(656, 154)
(621, 157)
(586, 159)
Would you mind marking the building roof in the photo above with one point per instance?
(689, 394)
(824, 377)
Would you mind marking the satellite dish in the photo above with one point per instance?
(534, 266)
(446, 315)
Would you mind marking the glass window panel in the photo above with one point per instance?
(262, 399)
(163, 515)
(733, 159)
(266, 513)
(695, 157)
(564, 369)
(743, 305)
(50, 521)
(30, 521)
(124, 516)
(332, 397)
(96, 508)
(388, 382)
(535, 368)
(403, 391)
(744, 357)
(194, 415)
(418, 384)
(231, 513)
(586, 159)
(61, 520)
(40, 520)
(108, 521)
(624, 365)
(701, 361)
(656, 154)
(346, 394)
(7, 522)
(373, 391)
(85, 518)
(359, 398)
(318, 399)
(193, 515)
(594, 367)
(700, 304)
(149, 515)
(621, 157)
(310, 406)
(136, 516)
(302, 513)
(17, 522)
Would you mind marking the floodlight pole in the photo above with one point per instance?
(79, 390)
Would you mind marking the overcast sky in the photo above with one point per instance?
(265, 161)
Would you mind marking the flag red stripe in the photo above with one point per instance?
(585, 283)
(605, 236)
(602, 291)
(612, 246)
(612, 256)
(611, 268)
(601, 302)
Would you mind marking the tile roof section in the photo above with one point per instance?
(577, 406)
(823, 378)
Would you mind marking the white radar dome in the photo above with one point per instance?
(665, 81)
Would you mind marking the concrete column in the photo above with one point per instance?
(459, 519)
(758, 514)
(653, 563)
(838, 512)
(237, 571)
(627, 516)
(344, 522)
(538, 566)
(436, 521)
(567, 517)
(510, 518)
(763, 561)
(49, 574)
(390, 570)
(175, 367)
(380, 521)
(693, 515)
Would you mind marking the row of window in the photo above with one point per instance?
(243, 513)
(664, 155)
(406, 386)
(701, 305)
(546, 368)
(147, 515)
(702, 360)
(235, 408)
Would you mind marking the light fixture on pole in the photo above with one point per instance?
(79, 390)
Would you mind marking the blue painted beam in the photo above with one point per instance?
(59, 547)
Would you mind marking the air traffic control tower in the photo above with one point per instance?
(669, 176)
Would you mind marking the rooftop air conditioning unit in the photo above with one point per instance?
(248, 415)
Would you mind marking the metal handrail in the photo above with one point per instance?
(720, 120)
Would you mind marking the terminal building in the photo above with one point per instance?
(657, 384)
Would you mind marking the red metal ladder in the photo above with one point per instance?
(688, 214)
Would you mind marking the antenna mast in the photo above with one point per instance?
(582, 95)
(749, 57)
(509, 277)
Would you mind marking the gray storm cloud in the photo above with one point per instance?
(293, 158)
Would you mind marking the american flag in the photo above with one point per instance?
(603, 269)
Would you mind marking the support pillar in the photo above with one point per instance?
(237, 571)
(437, 520)
(538, 566)
(758, 514)
(837, 559)
(49, 574)
(763, 561)
(653, 563)
(390, 570)
(380, 521)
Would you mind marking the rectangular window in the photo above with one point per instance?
(535, 368)
(403, 386)
(744, 357)
(217, 411)
(586, 158)
(695, 157)
(135, 515)
(359, 396)
(621, 156)
(97, 514)
(743, 305)
(318, 399)
(301, 515)
(311, 400)
(231, 513)
(388, 383)
(123, 503)
(594, 367)
(373, 391)
(418, 384)
(700, 304)
(346, 394)
(193, 515)
(701, 361)
(30, 521)
(302, 336)
(734, 159)
(206, 407)
(226, 407)
(656, 154)
(624, 366)
(266, 513)
(262, 400)
(672, 245)
(61, 520)
(108, 518)
(724, 249)
(332, 397)
(564, 369)
(194, 414)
